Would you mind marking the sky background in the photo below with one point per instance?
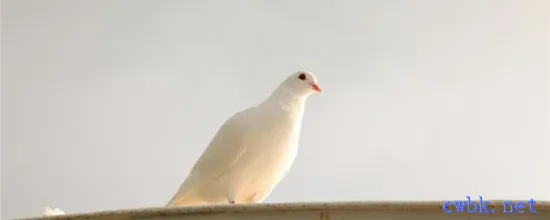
(107, 104)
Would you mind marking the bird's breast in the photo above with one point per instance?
(271, 147)
(272, 141)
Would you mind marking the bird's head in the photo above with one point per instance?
(301, 83)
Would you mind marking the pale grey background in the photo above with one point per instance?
(107, 104)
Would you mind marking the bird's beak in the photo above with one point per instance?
(316, 87)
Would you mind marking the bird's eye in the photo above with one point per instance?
(302, 76)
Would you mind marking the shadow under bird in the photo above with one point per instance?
(252, 151)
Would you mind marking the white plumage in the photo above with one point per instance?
(49, 211)
(252, 151)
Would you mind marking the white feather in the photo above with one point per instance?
(251, 152)
(48, 211)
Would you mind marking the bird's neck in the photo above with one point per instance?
(285, 99)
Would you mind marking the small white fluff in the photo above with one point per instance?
(252, 151)
(48, 211)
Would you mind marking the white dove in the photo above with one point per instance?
(252, 151)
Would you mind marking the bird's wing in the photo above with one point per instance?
(226, 148)
(222, 154)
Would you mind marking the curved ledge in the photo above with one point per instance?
(335, 210)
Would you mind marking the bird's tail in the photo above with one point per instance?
(48, 211)
(185, 197)
(185, 201)
(187, 193)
